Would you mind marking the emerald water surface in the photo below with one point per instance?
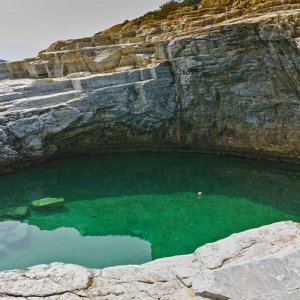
(131, 208)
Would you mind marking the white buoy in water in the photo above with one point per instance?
(200, 194)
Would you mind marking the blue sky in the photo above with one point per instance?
(28, 26)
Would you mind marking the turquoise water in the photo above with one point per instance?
(132, 208)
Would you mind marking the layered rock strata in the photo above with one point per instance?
(222, 77)
(262, 263)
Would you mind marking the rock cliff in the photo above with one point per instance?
(257, 264)
(222, 77)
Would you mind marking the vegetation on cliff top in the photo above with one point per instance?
(153, 17)
(168, 8)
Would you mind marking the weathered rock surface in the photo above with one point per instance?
(222, 78)
(262, 263)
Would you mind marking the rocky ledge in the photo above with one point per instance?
(258, 264)
(222, 77)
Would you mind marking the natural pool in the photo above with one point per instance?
(131, 208)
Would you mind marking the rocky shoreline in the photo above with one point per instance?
(261, 263)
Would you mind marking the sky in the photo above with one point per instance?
(28, 26)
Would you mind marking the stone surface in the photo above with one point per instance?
(48, 204)
(14, 212)
(262, 263)
(222, 78)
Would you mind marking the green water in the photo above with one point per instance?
(131, 208)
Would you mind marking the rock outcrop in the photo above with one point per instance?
(262, 263)
(222, 77)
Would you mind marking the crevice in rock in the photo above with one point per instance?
(39, 296)
(89, 282)
(180, 279)
(239, 254)
(212, 296)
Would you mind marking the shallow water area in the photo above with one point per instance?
(132, 208)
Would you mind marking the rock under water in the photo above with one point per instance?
(48, 204)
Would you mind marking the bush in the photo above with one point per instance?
(153, 17)
(190, 2)
(164, 11)
(168, 8)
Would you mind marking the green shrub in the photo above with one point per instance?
(190, 2)
(168, 8)
(153, 17)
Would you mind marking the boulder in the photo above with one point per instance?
(48, 204)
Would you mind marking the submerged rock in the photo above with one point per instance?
(16, 213)
(48, 204)
(257, 264)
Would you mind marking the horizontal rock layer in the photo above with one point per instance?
(262, 263)
(221, 78)
(135, 46)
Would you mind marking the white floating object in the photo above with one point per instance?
(200, 194)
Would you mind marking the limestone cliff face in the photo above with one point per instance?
(222, 77)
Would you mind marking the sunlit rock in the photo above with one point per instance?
(48, 204)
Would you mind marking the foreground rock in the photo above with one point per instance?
(262, 263)
(223, 77)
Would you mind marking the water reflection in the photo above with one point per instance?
(23, 245)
